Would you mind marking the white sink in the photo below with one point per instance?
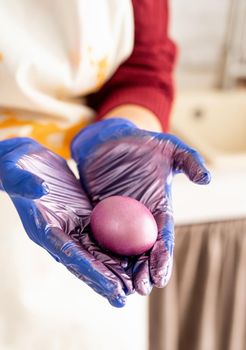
(214, 123)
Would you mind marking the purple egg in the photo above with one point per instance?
(123, 225)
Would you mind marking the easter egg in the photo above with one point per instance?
(123, 225)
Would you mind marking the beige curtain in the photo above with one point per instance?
(204, 305)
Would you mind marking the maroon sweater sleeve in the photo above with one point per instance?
(145, 78)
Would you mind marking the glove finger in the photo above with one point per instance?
(13, 144)
(141, 275)
(19, 182)
(116, 264)
(190, 162)
(161, 255)
(84, 266)
(15, 180)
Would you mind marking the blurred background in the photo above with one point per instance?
(212, 43)
(204, 306)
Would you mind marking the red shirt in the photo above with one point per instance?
(145, 78)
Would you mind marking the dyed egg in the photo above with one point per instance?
(123, 225)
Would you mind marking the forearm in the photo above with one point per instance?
(142, 117)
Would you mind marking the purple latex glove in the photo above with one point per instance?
(114, 157)
(55, 212)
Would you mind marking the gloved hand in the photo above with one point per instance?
(114, 157)
(55, 212)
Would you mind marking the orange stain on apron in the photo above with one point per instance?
(49, 134)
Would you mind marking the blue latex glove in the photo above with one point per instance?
(55, 212)
(114, 157)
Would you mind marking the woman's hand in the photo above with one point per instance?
(114, 157)
(55, 212)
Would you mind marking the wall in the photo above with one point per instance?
(199, 29)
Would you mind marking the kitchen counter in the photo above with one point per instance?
(224, 198)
